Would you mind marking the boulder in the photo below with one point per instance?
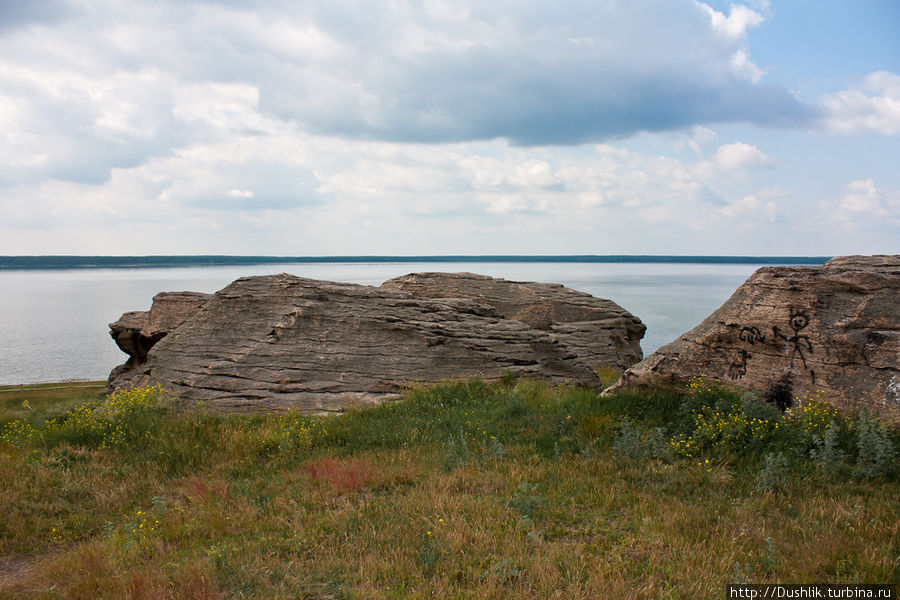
(832, 330)
(284, 342)
(599, 331)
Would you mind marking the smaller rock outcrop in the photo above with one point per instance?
(597, 330)
(786, 331)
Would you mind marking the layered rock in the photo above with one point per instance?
(598, 331)
(135, 333)
(786, 331)
(280, 342)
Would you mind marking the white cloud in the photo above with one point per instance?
(735, 25)
(872, 107)
(570, 184)
(864, 211)
(352, 127)
(864, 199)
(292, 193)
(226, 107)
(431, 72)
(740, 156)
(753, 208)
(733, 28)
(744, 67)
(503, 203)
(698, 138)
(861, 196)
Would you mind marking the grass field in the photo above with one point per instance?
(460, 490)
(44, 401)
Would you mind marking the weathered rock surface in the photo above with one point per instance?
(280, 342)
(598, 331)
(135, 333)
(834, 329)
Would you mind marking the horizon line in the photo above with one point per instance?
(80, 261)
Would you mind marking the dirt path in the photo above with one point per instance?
(13, 569)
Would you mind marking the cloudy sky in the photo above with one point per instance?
(340, 127)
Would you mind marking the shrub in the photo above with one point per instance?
(527, 501)
(501, 571)
(129, 417)
(748, 429)
(720, 420)
(19, 434)
(466, 446)
(284, 433)
(810, 419)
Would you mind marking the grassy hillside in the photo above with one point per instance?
(461, 490)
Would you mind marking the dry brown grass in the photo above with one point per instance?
(346, 476)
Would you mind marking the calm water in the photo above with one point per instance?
(53, 324)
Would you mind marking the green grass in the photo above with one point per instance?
(460, 490)
(37, 403)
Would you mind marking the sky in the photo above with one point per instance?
(340, 127)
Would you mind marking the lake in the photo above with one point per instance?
(54, 322)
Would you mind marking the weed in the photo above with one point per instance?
(125, 419)
(501, 571)
(457, 450)
(608, 376)
(741, 573)
(464, 447)
(19, 434)
(724, 422)
(282, 434)
(526, 501)
(632, 443)
(826, 453)
(770, 558)
(876, 455)
(428, 552)
(775, 474)
(810, 418)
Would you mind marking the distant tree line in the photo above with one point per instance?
(126, 262)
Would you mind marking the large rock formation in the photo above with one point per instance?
(599, 331)
(280, 341)
(791, 330)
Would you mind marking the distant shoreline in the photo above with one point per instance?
(8, 263)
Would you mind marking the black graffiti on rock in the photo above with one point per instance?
(799, 321)
(752, 335)
(738, 367)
